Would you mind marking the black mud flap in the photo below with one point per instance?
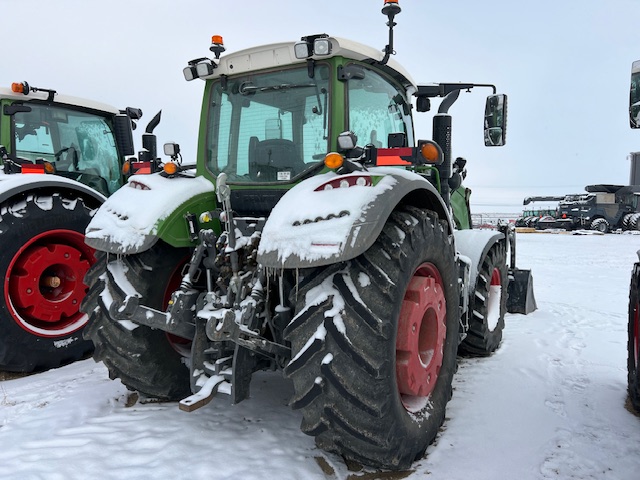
(520, 297)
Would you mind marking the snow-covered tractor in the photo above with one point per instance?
(633, 344)
(60, 158)
(345, 270)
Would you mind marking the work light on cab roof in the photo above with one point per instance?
(202, 67)
(308, 46)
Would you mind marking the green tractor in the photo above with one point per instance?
(60, 158)
(317, 236)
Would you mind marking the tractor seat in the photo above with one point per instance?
(270, 160)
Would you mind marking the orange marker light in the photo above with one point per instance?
(126, 167)
(390, 1)
(333, 160)
(170, 168)
(49, 167)
(217, 39)
(17, 87)
(430, 152)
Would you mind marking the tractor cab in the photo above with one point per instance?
(82, 142)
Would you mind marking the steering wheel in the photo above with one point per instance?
(72, 152)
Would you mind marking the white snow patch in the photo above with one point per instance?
(44, 203)
(128, 324)
(64, 343)
(320, 334)
(314, 225)
(134, 211)
(493, 307)
(364, 280)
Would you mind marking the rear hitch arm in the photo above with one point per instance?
(228, 329)
(131, 310)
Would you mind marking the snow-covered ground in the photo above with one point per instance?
(550, 404)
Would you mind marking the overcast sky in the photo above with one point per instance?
(565, 66)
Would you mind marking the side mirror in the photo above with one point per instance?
(124, 135)
(634, 96)
(495, 121)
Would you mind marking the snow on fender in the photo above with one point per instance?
(474, 244)
(331, 218)
(129, 220)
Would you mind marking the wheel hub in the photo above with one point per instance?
(421, 334)
(44, 285)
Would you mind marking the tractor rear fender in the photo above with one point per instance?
(331, 218)
(12, 186)
(148, 208)
(475, 244)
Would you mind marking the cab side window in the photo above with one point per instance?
(378, 108)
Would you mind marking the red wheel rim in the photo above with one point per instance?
(494, 300)
(421, 333)
(43, 286)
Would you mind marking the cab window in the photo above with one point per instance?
(81, 145)
(377, 109)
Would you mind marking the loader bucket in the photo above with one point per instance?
(520, 298)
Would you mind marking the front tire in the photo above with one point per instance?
(43, 260)
(600, 225)
(488, 305)
(374, 344)
(141, 357)
(633, 345)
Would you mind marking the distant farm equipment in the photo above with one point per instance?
(602, 208)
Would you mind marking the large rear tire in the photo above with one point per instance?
(43, 260)
(374, 344)
(633, 345)
(488, 305)
(141, 357)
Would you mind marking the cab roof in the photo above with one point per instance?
(282, 54)
(58, 99)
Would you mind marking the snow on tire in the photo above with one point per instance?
(143, 358)
(374, 344)
(633, 344)
(488, 304)
(43, 260)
